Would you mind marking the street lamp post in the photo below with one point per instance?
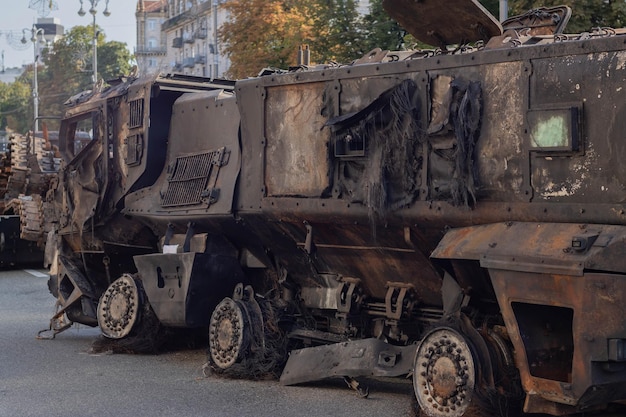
(93, 11)
(504, 10)
(35, 32)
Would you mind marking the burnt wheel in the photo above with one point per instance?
(119, 307)
(444, 374)
(226, 333)
(245, 340)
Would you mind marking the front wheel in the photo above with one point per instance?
(119, 308)
(127, 320)
(444, 375)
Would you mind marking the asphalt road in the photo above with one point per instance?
(60, 377)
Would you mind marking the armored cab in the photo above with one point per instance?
(456, 214)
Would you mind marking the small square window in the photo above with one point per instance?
(554, 129)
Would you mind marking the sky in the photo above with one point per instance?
(16, 15)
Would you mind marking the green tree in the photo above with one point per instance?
(336, 34)
(114, 60)
(68, 68)
(16, 109)
(381, 31)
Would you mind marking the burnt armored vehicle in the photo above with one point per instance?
(457, 215)
(27, 165)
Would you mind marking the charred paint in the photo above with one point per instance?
(397, 205)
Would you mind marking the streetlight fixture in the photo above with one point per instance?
(93, 11)
(37, 38)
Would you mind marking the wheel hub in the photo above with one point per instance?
(226, 333)
(118, 309)
(444, 374)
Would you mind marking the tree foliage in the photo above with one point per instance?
(68, 67)
(381, 31)
(263, 33)
(113, 60)
(16, 106)
(64, 73)
(268, 33)
(336, 34)
(63, 70)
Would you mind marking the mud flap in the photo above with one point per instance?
(184, 288)
(367, 357)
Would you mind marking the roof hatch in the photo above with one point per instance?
(442, 23)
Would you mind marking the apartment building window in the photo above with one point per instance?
(152, 23)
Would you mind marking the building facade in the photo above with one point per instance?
(191, 32)
(181, 36)
(151, 49)
(52, 28)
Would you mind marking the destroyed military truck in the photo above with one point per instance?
(454, 214)
(27, 165)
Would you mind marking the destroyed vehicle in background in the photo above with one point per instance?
(456, 214)
(28, 164)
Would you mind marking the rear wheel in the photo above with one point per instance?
(244, 337)
(229, 335)
(462, 371)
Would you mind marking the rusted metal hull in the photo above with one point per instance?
(565, 321)
(465, 208)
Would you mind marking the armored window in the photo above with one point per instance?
(350, 145)
(555, 129)
(78, 132)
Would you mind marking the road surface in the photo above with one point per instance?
(60, 377)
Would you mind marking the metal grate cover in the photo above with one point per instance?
(136, 113)
(188, 178)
